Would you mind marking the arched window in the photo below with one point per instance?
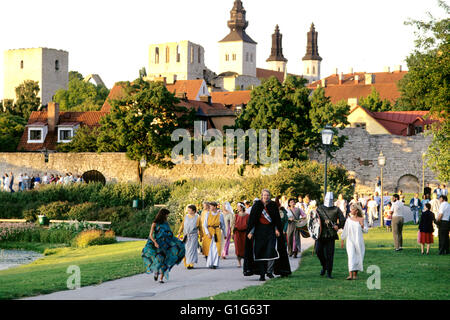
(227, 57)
(57, 65)
(314, 70)
(21, 64)
(192, 55)
(167, 55)
(156, 55)
(178, 54)
(246, 57)
(234, 56)
(307, 70)
(199, 55)
(251, 57)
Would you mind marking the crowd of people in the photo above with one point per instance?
(267, 231)
(34, 181)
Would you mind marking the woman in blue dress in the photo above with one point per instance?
(162, 250)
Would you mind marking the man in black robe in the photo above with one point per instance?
(331, 219)
(264, 240)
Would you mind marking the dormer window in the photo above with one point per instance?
(37, 133)
(66, 132)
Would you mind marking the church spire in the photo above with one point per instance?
(277, 47)
(312, 48)
(237, 24)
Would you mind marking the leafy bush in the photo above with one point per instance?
(136, 224)
(29, 232)
(87, 211)
(94, 237)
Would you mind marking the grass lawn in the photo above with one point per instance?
(48, 274)
(405, 275)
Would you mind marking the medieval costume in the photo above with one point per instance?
(171, 251)
(228, 218)
(191, 229)
(353, 233)
(264, 245)
(293, 233)
(213, 226)
(240, 233)
(330, 216)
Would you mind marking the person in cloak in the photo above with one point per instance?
(264, 240)
(332, 219)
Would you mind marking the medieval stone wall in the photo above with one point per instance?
(403, 169)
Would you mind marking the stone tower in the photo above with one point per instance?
(277, 61)
(311, 61)
(237, 51)
(48, 67)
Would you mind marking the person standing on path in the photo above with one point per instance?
(353, 234)
(11, 182)
(341, 203)
(203, 213)
(293, 234)
(228, 218)
(425, 234)
(332, 219)
(240, 232)
(435, 204)
(213, 228)
(191, 228)
(372, 211)
(443, 224)
(162, 250)
(397, 222)
(265, 230)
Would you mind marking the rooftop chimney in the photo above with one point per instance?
(324, 83)
(356, 79)
(387, 69)
(370, 78)
(398, 68)
(206, 99)
(52, 116)
(341, 78)
(352, 102)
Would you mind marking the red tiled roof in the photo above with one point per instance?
(384, 82)
(87, 118)
(115, 93)
(266, 74)
(232, 98)
(191, 87)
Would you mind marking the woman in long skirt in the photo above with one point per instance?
(191, 228)
(213, 227)
(162, 250)
(240, 232)
(353, 233)
(228, 218)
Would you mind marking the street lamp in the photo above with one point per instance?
(327, 138)
(382, 163)
(142, 165)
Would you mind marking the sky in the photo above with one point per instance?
(111, 37)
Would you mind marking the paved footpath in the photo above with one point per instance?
(183, 284)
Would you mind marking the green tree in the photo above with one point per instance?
(426, 85)
(80, 95)
(373, 102)
(85, 140)
(27, 100)
(141, 123)
(11, 130)
(287, 107)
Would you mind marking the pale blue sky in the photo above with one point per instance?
(111, 37)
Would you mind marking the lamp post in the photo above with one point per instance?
(381, 163)
(142, 165)
(327, 138)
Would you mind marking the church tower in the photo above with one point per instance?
(276, 61)
(311, 61)
(237, 51)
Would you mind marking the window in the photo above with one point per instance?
(234, 56)
(314, 70)
(227, 57)
(167, 55)
(418, 130)
(307, 70)
(192, 54)
(251, 57)
(359, 125)
(178, 54)
(65, 134)
(21, 64)
(199, 55)
(246, 57)
(156, 55)
(36, 135)
(57, 65)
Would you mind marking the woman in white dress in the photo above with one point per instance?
(353, 234)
